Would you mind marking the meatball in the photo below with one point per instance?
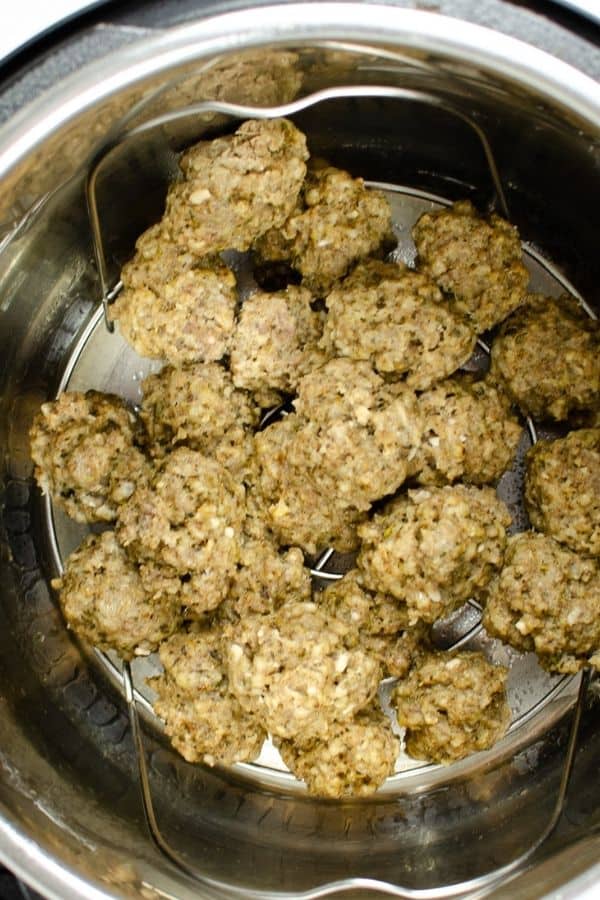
(294, 504)
(452, 705)
(562, 489)
(103, 599)
(83, 449)
(265, 579)
(547, 358)
(477, 261)
(199, 406)
(355, 760)
(184, 526)
(275, 341)
(360, 433)
(398, 320)
(434, 549)
(547, 599)
(174, 306)
(237, 187)
(468, 434)
(300, 670)
(382, 622)
(339, 222)
(203, 719)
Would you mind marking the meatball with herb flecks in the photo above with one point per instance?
(103, 599)
(478, 261)
(434, 549)
(547, 599)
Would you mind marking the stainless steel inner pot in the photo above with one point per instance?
(71, 820)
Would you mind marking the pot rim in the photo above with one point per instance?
(283, 24)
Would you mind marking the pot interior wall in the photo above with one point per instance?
(66, 737)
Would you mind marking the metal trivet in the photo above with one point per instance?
(482, 885)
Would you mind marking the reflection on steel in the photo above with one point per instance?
(477, 887)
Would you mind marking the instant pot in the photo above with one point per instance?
(485, 100)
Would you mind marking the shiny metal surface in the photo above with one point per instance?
(70, 815)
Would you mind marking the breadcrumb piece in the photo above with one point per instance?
(355, 759)
(547, 599)
(452, 705)
(398, 320)
(83, 449)
(547, 358)
(478, 261)
(434, 549)
(103, 599)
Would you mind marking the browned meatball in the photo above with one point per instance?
(397, 320)
(478, 261)
(104, 600)
(468, 433)
(237, 187)
(300, 670)
(562, 489)
(547, 358)
(355, 760)
(83, 449)
(434, 549)
(547, 599)
(452, 705)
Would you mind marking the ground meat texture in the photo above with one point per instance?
(207, 726)
(382, 622)
(342, 221)
(199, 406)
(297, 509)
(562, 489)
(547, 358)
(452, 705)
(185, 526)
(468, 434)
(398, 320)
(83, 449)
(265, 579)
(237, 187)
(478, 261)
(275, 341)
(103, 600)
(355, 759)
(360, 434)
(188, 318)
(434, 549)
(547, 599)
(194, 661)
(300, 670)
